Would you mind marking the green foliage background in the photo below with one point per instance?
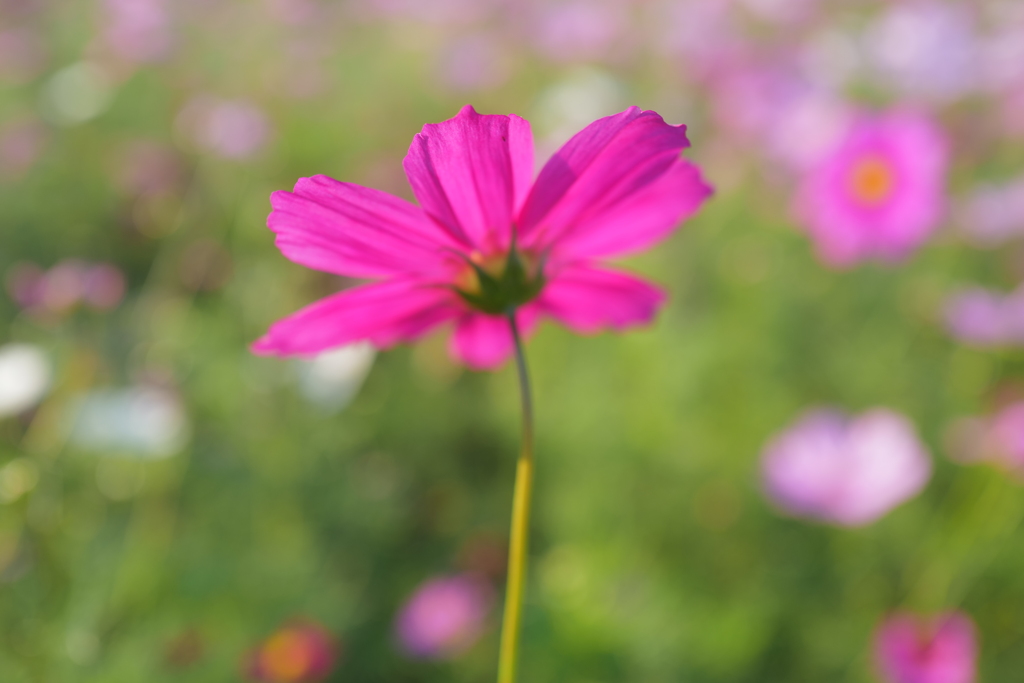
(655, 556)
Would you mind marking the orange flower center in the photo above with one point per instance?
(871, 180)
(286, 657)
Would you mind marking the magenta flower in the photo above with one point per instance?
(879, 193)
(444, 617)
(486, 239)
(300, 652)
(849, 472)
(912, 649)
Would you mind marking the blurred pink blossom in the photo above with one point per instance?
(984, 318)
(444, 617)
(926, 48)
(914, 649)
(1006, 436)
(702, 34)
(849, 472)
(137, 31)
(993, 214)
(578, 29)
(997, 439)
(233, 129)
(300, 652)
(146, 167)
(474, 62)
(21, 144)
(22, 55)
(100, 286)
(879, 193)
(442, 12)
(293, 11)
(781, 11)
(103, 287)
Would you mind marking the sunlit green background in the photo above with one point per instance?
(655, 557)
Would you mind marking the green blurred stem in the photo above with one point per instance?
(519, 536)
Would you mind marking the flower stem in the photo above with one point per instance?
(519, 536)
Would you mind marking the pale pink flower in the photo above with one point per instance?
(300, 652)
(1006, 436)
(103, 287)
(22, 55)
(914, 649)
(578, 29)
(992, 214)
(444, 617)
(844, 471)
(926, 49)
(997, 439)
(983, 318)
(473, 62)
(21, 144)
(879, 193)
(100, 286)
(138, 31)
(233, 129)
(486, 239)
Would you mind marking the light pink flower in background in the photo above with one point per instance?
(845, 471)
(147, 167)
(100, 286)
(1007, 436)
(474, 62)
(300, 652)
(926, 49)
(578, 29)
(486, 238)
(983, 318)
(138, 31)
(997, 439)
(880, 193)
(232, 129)
(993, 214)
(781, 11)
(22, 55)
(702, 35)
(914, 649)
(444, 617)
(21, 144)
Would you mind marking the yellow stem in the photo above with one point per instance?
(519, 536)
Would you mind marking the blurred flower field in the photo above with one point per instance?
(809, 467)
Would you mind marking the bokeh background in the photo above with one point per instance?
(168, 500)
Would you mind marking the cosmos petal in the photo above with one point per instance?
(587, 299)
(383, 313)
(602, 177)
(484, 342)
(354, 231)
(471, 173)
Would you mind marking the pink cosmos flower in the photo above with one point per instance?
(997, 439)
(444, 617)
(879, 193)
(912, 649)
(485, 239)
(984, 318)
(849, 472)
(300, 652)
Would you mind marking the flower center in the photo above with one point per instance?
(871, 180)
(286, 657)
(499, 284)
